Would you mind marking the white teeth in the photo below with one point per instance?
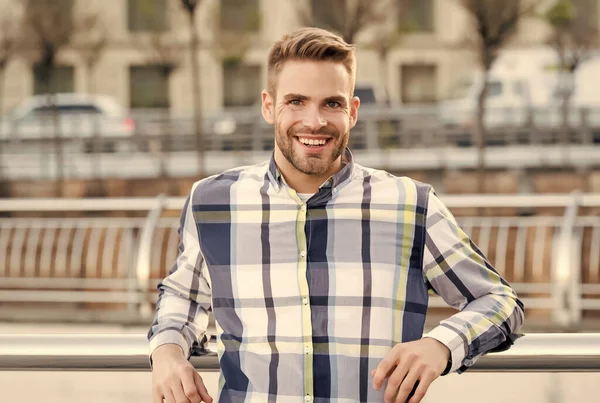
(312, 142)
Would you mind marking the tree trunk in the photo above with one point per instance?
(4, 134)
(58, 146)
(96, 140)
(48, 67)
(194, 45)
(480, 133)
(565, 109)
(383, 69)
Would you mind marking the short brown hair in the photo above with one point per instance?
(309, 44)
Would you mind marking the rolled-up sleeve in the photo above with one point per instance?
(490, 314)
(184, 298)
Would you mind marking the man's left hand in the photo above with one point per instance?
(422, 360)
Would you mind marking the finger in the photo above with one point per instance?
(169, 397)
(190, 389)
(383, 370)
(422, 388)
(396, 379)
(179, 395)
(157, 396)
(202, 389)
(407, 386)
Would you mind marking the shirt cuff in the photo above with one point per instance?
(169, 337)
(453, 341)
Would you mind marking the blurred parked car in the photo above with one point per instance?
(98, 120)
(525, 87)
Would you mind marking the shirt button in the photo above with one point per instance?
(303, 208)
(303, 253)
(307, 349)
(305, 301)
(307, 398)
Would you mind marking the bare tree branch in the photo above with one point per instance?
(494, 24)
(92, 38)
(574, 37)
(386, 36)
(231, 45)
(348, 18)
(49, 26)
(191, 7)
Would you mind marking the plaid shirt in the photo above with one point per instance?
(309, 297)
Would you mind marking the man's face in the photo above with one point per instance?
(312, 113)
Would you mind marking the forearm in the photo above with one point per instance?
(178, 320)
(487, 323)
(490, 311)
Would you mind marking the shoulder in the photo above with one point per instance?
(215, 189)
(383, 181)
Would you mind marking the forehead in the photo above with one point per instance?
(318, 79)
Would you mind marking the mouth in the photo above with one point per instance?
(312, 143)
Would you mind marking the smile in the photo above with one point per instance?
(312, 142)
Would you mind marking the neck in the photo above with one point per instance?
(299, 181)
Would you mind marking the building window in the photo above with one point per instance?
(241, 85)
(418, 83)
(418, 16)
(147, 15)
(240, 15)
(149, 87)
(329, 14)
(60, 80)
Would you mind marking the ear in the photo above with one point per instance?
(268, 107)
(354, 104)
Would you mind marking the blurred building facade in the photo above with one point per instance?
(147, 35)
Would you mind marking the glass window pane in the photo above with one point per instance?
(147, 15)
(329, 14)
(418, 15)
(60, 80)
(240, 15)
(149, 87)
(418, 83)
(241, 85)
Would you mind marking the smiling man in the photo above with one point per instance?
(318, 269)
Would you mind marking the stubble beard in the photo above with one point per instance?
(316, 165)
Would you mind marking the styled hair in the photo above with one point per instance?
(313, 44)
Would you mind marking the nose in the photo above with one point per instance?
(314, 118)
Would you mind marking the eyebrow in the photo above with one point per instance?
(289, 97)
(336, 98)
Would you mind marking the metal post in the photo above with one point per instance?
(141, 281)
(564, 268)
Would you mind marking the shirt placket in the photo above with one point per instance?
(306, 313)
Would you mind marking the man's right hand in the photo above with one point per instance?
(174, 378)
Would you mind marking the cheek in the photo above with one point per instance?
(284, 121)
(341, 124)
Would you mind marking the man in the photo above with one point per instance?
(318, 269)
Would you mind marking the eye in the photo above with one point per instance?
(295, 102)
(333, 104)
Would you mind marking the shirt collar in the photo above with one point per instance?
(336, 181)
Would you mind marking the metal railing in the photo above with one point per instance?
(163, 145)
(106, 352)
(107, 268)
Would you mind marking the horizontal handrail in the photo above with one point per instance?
(536, 352)
(176, 203)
